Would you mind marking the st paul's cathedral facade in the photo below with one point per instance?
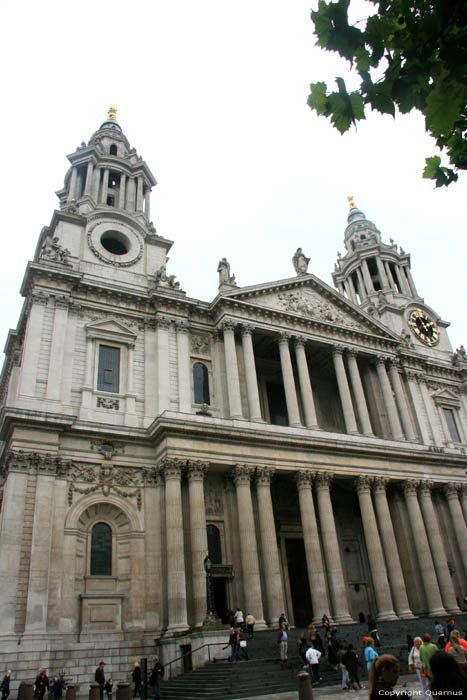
(312, 440)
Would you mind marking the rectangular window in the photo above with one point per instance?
(451, 423)
(109, 369)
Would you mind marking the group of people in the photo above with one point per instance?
(154, 680)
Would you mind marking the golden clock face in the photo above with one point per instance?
(424, 327)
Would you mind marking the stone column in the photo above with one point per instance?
(311, 540)
(451, 491)
(437, 548)
(248, 550)
(11, 537)
(427, 574)
(353, 293)
(388, 540)
(413, 383)
(379, 573)
(254, 407)
(147, 204)
(412, 287)
(367, 276)
(199, 539)
(389, 276)
(150, 371)
(89, 174)
(350, 292)
(122, 192)
(401, 401)
(358, 392)
(361, 285)
(463, 498)
(231, 370)
(30, 359)
(130, 195)
(38, 588)
(344, 391)
(184, 378)
(309, 410)
(153, 547)
(289, 381)
(431, 412)
(337, 588)
(382, 273)
(57, 349)
(268, 538)
(163, 373)
(105, 186)
(96, 181)
(139, 193)
(73, 181)
(388, 399)
(176, 584)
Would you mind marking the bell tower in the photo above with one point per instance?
(377, 277)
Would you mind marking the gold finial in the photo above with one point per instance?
(112, 113)
(352, 204)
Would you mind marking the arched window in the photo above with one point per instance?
(214, 544)
(113, 150)
(101, 550)
(201, 383)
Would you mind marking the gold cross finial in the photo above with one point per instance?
(112, 113)
(352, 204)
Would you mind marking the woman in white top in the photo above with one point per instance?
(416, 665)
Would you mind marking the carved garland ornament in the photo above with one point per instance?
(106, 479)
(298, 302)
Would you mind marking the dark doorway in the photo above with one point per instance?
(276, 403)
(220, 598)
(299, 586)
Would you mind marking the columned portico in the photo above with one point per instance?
(309, 410)
(289, 381)
(344, 391)
(231, 370)
(388, 399)
(242, 476)
(359, 394)
(401, 401)
(250, 373)
(340, 610)
(375, 553)
(422, 548)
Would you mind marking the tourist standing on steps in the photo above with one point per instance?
(325, 622)
(240, 649)
(155, 678)
(99, 677)
(415, 664)
(439, 629)
(312, 657)
(427, 650)
(352, 662)
(238, 617)
(302, 647)
(232, 643)
(5, 685)
(283, 621)
(250, 622)
(136, 678)
(282, 639)
(41, 684)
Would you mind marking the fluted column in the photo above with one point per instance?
(184, 379)
(73, 182)
(147, 204)
(358, 392)
(248, 550)
(379, 573)
(388, 540)
(105, 186)
(254, 407)
(289, 381)
(153, 547)
(437, 549)
(122, 192)
(176, 583)
(305, 385)
(89, 178)
(335, 574)
(231, 371)
(452, 495)
(57, 349)
(414, 390)
(30, 358)
(382, 273)
(361, 285)
(267, 531)
(367, 276)
(401, 401)
(388, 399)
(427, 574)
(199, 540)
(344, 391)
(314, 560)
(139, 193)
(163, 364)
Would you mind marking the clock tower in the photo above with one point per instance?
(377, 277)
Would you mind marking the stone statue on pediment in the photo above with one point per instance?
(300, 262)
(224, 273)
(52, 250)
(164, 280)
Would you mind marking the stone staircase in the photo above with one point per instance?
(263, 673)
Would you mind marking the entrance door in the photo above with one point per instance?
(220, 598)
(276, 403)
(299, 585)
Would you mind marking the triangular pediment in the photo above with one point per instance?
(110, 328)
(308, 297)
(446, 396)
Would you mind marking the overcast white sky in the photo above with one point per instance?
(213, 95)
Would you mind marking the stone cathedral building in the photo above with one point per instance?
(312, 440)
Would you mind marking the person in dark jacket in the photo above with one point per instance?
(136, 678)
(352, 662)
(41, 684)
(155, 678)
(57, 687)
(108, 687)
(99, 677)
(5, 685)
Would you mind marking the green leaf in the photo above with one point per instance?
(443, 105)
(431, 167)
(317, 99)
(358, 109)
(363, 59)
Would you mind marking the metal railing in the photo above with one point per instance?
(193, 651)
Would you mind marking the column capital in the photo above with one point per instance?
(394, 362)
(242, 474)
(381, 359)
(171, 467)
(227, 326)
(196, 470)
(263, 475)
(299, 341)
(247, 329)
(152, 476)
(181, 327)
(412, 375)
(380, 484)
(284, 338)
(410, 487)
(323, 480)
(338, 350)
(353, 352)
(363, 484)
(163, 322)
(451, 491)
(425, 488)
(304, 478)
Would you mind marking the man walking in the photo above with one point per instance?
(99, 677)
(282, 639)
(155, 678)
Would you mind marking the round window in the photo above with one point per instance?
(115, 242)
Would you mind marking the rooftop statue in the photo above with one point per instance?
(300, 262)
